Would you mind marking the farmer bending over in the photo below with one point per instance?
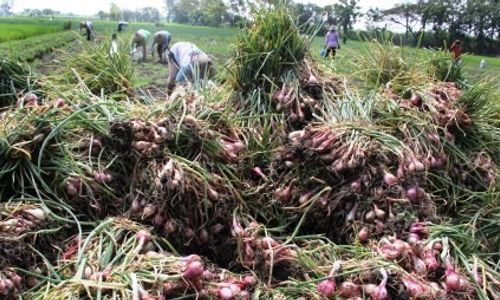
(140, 39)
(89, 29)
(82, 26)
(186, 62)
(332, 41)
(162, 40)
(121, 26)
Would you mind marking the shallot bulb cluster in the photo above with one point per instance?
(147, 136)
(10, 283)
(22, 220)
(273, 252)
(293, 103)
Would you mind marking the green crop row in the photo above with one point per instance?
(34, 47)
(10, 32)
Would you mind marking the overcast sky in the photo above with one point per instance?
(91, 7)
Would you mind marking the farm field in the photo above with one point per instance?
(289, 176)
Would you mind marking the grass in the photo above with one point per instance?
(35, 47)
(471, 69)
(10, 32)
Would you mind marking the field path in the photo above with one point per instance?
(150, 75)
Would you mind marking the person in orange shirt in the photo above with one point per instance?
(456, 51)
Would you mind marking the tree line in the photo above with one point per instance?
(428, 23)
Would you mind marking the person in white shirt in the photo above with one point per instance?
(482, 64)
(113, 50)
(186, 62)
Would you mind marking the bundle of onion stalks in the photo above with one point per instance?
(410, 265)
(121, 259)
(22, 225)
(374, 166)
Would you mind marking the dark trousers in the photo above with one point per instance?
(332, 50)
(89, 34)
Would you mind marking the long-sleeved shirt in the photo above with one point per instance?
(332, 39)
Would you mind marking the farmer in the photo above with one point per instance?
(89, 28)
(121, 26)
(332, 41)
(140, 39)
(482, 64)
(113, 50)
(456, 51)
(187, 62)
(162, 40)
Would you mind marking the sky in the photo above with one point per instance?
(91, 7)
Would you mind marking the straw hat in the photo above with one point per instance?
(332, 28)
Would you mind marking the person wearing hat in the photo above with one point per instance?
(186, 62)
(140, 39)
(162, 40)
(121, 26)
(332, 41)
(456, 51)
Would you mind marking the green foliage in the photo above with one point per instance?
(10, 32)
(346, 13)
(115, 13)
(442, 67)
(14, 78)
(35, 47)
(100, 71)
(266, 51)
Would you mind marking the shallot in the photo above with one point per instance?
(452, 278)
(390, 179)
(380, 292)
(326, 288)
(194, 269)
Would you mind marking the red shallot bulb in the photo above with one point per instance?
(59, 103)
(326, 288)
(194, 269)
(143, 236)
(414, 288)
(364, 234)
(452, 279)
(390, 179)
(249, 281)
(380, 292)
(413, 238)
(226, 293)
(349, 290)
(430, 260)
(419, 265)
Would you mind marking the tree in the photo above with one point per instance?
(6, 6)
(115, 13)
(102, 15)
(183, 9)
(346, 12)
(170, 5)
(215, 11)
(129, 15)
(237, 10)
(148, 14)
(49, 12)
(406, 15)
